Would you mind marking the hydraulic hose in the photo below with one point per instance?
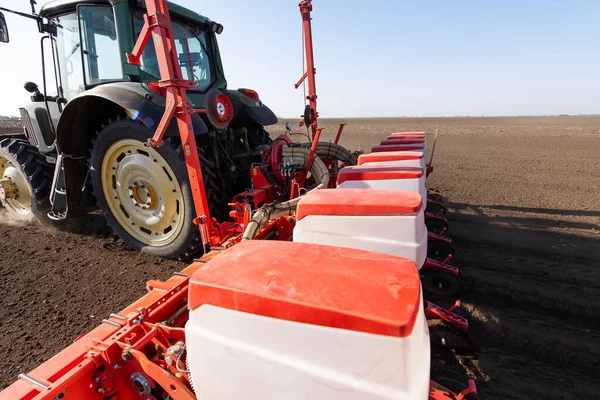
(273, 211)
(327, 150)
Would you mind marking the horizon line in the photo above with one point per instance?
(14, 117)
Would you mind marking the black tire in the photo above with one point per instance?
(436, 225)
(438, 249)
(258, 137)
(435, 196)
(444, 338)
(187, 243)
(435, 208)
(38, 173)
(440, 283)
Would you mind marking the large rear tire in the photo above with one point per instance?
(27, 176)
(145, 193)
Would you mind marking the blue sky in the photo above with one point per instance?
(391, 58)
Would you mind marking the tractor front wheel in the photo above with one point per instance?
(25, 180)
(145, 192)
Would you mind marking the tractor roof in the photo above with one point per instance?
(58, 7)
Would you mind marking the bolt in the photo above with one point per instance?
(117, 366)
(126, 355)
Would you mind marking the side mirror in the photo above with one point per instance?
(3, 29)
(31, 87)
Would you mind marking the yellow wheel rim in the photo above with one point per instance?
(142, 192)
(11, 176)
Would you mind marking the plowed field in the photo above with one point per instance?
(524, 210)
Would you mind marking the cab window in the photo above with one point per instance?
(68, 55)
(192, 50)
(99, 44)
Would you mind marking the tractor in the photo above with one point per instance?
(83, 146)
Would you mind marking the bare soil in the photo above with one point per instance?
(525, 217)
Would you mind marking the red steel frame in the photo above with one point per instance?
(101, 363)
(305, 9)
(309, 74)
(157, 22)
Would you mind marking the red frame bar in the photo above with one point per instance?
(313, 149)
(157, 22)
(339, 133)
(305, 9)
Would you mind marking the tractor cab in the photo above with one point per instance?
(89, 43)
(84, 47)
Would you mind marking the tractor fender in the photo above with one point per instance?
(85, 112)
(261, 115)
(246, 108)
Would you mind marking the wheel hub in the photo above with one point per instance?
(14, 188)
(8, 189)
(142, 194)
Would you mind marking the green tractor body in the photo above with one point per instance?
(89, 120)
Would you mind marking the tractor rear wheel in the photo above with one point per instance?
(145, 193)
(25, 179)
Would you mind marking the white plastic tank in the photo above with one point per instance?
(408, 134)
(404, 141)
(399, 147)
(389, 222)
(394, 158)
(383, 177)
(280, 320)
